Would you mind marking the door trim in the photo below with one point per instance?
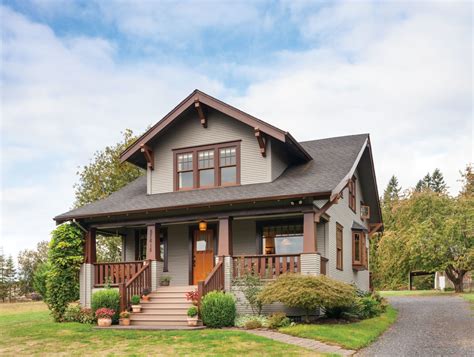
(191, 229)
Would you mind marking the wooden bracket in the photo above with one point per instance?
(198, 107)
(148, 152)
(262, 141)
(374, 228)
(325, 207)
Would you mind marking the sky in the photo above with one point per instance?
(74, 74)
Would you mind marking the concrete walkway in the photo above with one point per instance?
(427, 326)
(314, 345)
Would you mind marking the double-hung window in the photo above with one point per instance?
(339, 242)
(185, 170)
(359, 250)
(228, 165)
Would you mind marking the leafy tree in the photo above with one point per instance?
(101, 177)
(65, 257)
(28, 262)
(251, 285)
(391, 196)
(40, 277)
(437, 182)
(468, 181)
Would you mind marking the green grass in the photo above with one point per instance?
(27, 329)
(414, 293)
(470, 298)
(352, 335)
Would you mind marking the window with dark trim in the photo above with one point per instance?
(359, 250)
(352, 194)
(141, 246)
(207, 166)
(282, 238)
(339, 247)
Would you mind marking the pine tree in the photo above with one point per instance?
(467, 181)
(3, 279)
(10, 275)
(437, 182)
(392, 192)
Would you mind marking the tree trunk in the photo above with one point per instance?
(457, 277)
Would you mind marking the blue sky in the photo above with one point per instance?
(74, 74)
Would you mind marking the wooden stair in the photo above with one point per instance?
(167, 307)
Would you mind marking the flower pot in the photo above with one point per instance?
(104, 322)
(146, 297)
(193, 321)
(136, 308)
(124, 322)
(164, 283)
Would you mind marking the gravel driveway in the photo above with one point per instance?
(427, 326)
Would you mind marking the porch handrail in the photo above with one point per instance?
(114, 273)
(135, 286)
(214, 281)
(267, 266)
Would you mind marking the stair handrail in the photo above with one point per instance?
(214, 281)
(141, 280)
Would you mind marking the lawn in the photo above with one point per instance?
(351, 335)
(27, 329)
(388, 293)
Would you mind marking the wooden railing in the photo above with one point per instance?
(135, 286)
(266, 266)
(214, 281)
(324, 263)
(115, 273)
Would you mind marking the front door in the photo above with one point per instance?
(203, 254)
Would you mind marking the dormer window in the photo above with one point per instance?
(207, 166)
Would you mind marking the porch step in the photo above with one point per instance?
(167, 306)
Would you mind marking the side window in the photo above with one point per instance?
(339, 242)
(352, 194)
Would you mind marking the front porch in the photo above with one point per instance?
(208, 253)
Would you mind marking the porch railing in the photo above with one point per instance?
(214, 281)
(135, 286)
(324, 263)
(115, 273)
(266, 266)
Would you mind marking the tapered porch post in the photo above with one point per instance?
(90, 252)
(153, 242)
(309, 233)
(224, 247)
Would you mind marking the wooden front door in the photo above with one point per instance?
(203, 254)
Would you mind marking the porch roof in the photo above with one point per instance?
(333, 161)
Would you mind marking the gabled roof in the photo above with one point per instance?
(132, 153)
(335, 160)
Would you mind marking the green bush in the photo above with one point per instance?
(87, 316)
(218, 309)
(65, 256)
(242, 320)
(253, 324)
(251, 285)
(135, 300)
(193, 311)
(39, 278)
(277, 320)
(108, 298)
(73, 313)
(308, 292)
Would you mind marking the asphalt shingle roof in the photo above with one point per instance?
(332, 160)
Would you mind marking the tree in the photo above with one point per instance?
(425, 183)
(40, 278)
(101, 177)
(10, 276)
(437, 182)
(3, 278)
(391, 195)
(28, 262)
(468, 181)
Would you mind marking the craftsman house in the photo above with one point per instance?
(224, 194)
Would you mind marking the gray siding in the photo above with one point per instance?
(129, 245)
(342, 214)
(244, 237)
(321, 238)
(178, 260)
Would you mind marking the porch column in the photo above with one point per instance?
(309, 232)
(153, 242)
(224, 247)
(90, 255)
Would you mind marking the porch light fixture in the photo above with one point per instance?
(203, 226)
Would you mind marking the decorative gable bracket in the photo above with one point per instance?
(148, 153)
(200, 112)
(262, 142)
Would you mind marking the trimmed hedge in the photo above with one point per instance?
(108, 298)
(218, 309)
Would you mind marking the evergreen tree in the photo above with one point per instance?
(392, 192)
(468, 181)
(3, 278)
(437, 183)
(10, 275)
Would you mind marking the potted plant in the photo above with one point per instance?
(193, 296)
(165, 280)
(193, 316)
(124, 318)
(145, 294)
(104, 316)
(136, 307)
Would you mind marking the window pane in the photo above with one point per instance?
(185, 162)
(228, 175)
(356, 247)
(283, 245)
(228, 156)
(185, 179)
(206, 177)
(206, 159)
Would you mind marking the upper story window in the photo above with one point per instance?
(339, 242)
(207, 166)
(352, 194)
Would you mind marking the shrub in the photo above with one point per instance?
(104, 313)
(253, 324)
(135, 300)
(242, 320)
(87, 316)
(251, 286)
(72, 313)
(108, 298)
(65, 256)
(277, 320)
(39, 278)
(192, 311)
(218, 309)
(193, 296)
(308, 292)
